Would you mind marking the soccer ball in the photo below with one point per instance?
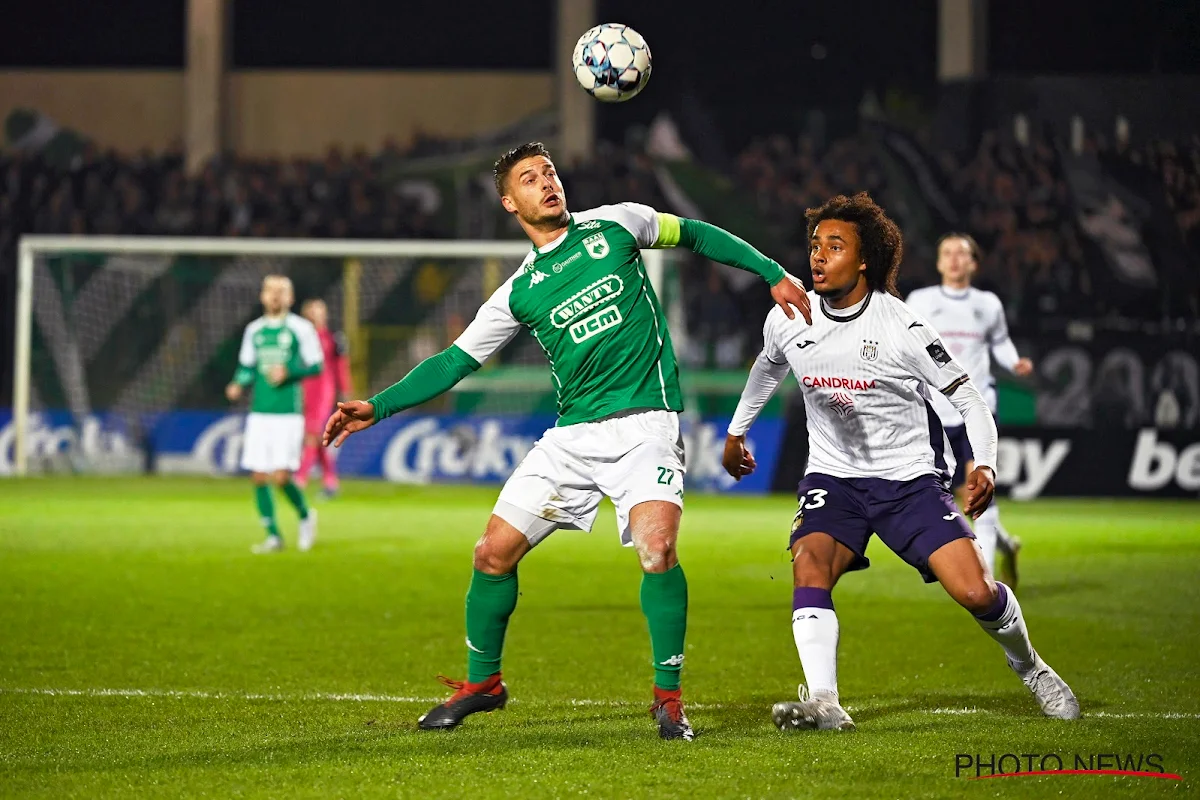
(612, 62)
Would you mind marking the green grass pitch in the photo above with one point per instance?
(144, 652)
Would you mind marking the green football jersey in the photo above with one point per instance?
(291, 341)
(588, 301)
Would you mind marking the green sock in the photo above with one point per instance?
(266, 509)
(664, 602)
(296, 498)
(490, 602)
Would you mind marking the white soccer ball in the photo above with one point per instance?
(612, 62)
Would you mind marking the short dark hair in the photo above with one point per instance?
(506, 162)
(972, 245)
(882, 244)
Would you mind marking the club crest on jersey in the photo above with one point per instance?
(870, 350)
(285, 338)
(596, 245)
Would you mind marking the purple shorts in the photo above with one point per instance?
(913, 518)
(960, 445)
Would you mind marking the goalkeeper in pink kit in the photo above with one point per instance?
(321, 393)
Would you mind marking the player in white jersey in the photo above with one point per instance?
(972, 324)
(877, 455)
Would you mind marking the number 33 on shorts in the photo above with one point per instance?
(812, 499)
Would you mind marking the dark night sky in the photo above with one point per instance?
(751, 41)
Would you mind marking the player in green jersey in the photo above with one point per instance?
(584, 294)
(278, 350)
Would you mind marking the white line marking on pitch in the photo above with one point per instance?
(347, 697)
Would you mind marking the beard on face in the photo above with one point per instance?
(543, 216)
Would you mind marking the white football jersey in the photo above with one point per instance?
(972, 325)
(866, 379)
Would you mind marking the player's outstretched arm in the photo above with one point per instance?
(1003, 349)
(432, 377)
(761, 383)
(722, 246)
(982, 434)
(493, 327)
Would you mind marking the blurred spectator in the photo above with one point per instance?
(103, 193)
(1015, 199)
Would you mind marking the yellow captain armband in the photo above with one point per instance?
(668, 231)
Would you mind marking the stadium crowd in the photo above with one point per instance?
(1014, 199)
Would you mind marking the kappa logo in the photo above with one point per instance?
(590, 225)
(596, 324)
(596, 245)
(537, 277)
(583, 302)
(673, 661)
(870, 350)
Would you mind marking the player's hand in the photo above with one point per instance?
(277, 374)
(737, 460)
(350, 417)
(981, 485)
(790, 292)
(233, 392)
(1023, 368)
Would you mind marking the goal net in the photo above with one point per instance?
(124, 347)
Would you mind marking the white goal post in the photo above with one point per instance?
(31, 248)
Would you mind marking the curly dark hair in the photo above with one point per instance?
(506, 162)
(882, 244)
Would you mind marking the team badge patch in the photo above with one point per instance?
(938, 353)
(596, 245)
(799, 519)
(870, 350)
(285, 339)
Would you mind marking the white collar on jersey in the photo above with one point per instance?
(548, 246)
(848, 313)
(955, 294)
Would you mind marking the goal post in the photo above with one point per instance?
(80, 299)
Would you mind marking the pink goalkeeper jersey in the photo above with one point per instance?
(322, 390)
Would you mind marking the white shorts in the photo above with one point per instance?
(272, 442)
(631, 458)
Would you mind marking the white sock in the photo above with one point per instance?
(816, 633)
(1004, 539)
(987, 530)
(1009, 632)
